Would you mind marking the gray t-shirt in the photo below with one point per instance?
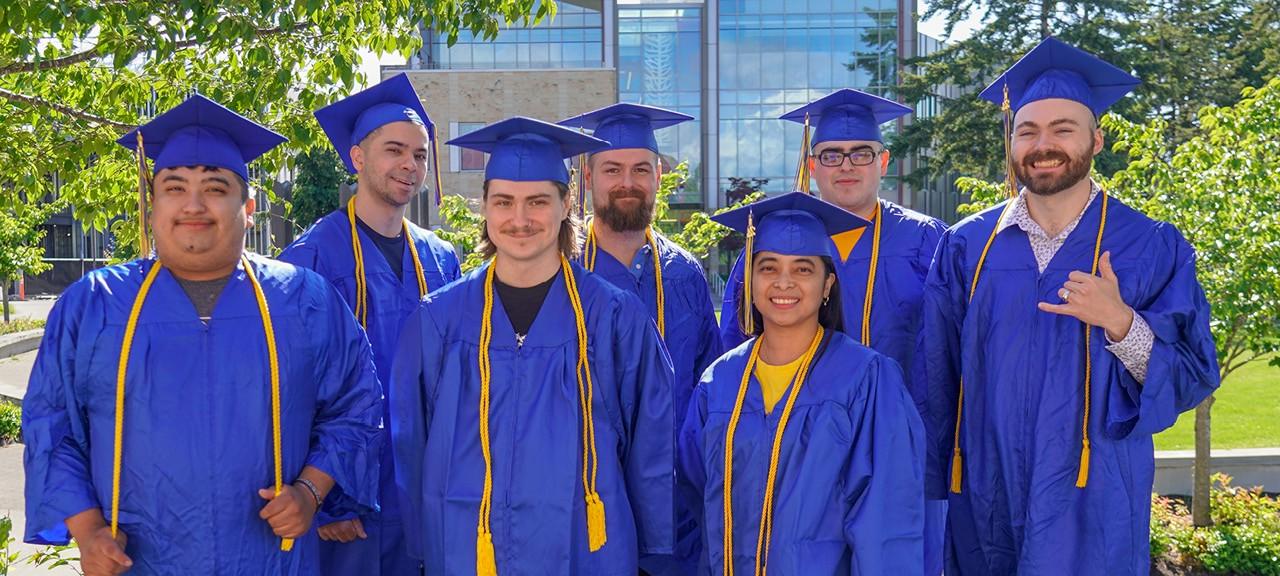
(203, 294)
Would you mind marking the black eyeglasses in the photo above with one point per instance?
(859, 157)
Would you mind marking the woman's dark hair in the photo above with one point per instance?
(570, 228)
(830, 315)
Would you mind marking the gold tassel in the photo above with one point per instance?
(802, 171)
(596, 535)
(748, 320)
(956, 466)
(486, 564)
(1011, 181)
(1083, 478)
(144, 182)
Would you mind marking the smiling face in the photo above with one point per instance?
(789, 290)
(846, 184)
(199, 215)
(624, 187)
(392, 162)
(1054, 142)
(524, 221)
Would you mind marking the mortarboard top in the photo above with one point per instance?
(201, 132)
(627, 125)
(795, 224)
(847, 114)
(348, 121)
(527, 150)
(1054, 69)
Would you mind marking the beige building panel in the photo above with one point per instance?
(464, 96)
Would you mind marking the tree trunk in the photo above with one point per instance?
(1045, 7)
(1200, 515)
(4, 295)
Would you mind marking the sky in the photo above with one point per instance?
(371, 62)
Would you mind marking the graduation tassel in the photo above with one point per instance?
(435, 167)
(748, 318)
(1006, 110)
(802, 170)
(144, 184)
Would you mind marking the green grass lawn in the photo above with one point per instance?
(1245, 415)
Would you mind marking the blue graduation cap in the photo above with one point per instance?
(627, 125)
(795, 224)
(527, 150)
(348, 121)
(847, 114)
(1054, 69)
(201, 132)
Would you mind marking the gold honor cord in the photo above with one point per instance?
(486, 557)
(589, 263)
(871, 276)
(766, 513)
(286, 544)
(361, 308)
(1082, 477)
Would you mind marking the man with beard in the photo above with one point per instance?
(382, 265)
(1062, 330)
(623, 247)
(883, 266)
(532, 421)
(189, 411)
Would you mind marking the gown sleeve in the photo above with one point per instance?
(884, 525)
(1183, 368)
(55, 431)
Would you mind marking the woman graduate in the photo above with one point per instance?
(802, 446)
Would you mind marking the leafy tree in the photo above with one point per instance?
(21, 237)
(462, 229)
(76, 74)
(1221, 188)
(320, 173)
(1223, 45)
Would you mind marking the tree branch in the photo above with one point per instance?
(69, 111)
(91, 53)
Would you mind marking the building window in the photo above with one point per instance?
(463, 159)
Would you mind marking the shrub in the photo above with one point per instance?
(10, 423)
(1245, 540)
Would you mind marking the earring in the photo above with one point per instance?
(825, 299)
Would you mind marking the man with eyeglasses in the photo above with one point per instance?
(847, 161)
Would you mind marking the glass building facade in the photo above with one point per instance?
(660, 64)
(777, 55)
(734, 65)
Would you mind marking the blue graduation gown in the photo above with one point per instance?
(692, 339)
(1019, 509)
(197, 421)
(849, 495)
(326, 248)
(538, 514)
(907, 242)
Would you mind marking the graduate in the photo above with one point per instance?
(189, 412)
(847, 159)
(802, 446)
(1062, 329)
(532, 417)
(382, 265)
(624, 248)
